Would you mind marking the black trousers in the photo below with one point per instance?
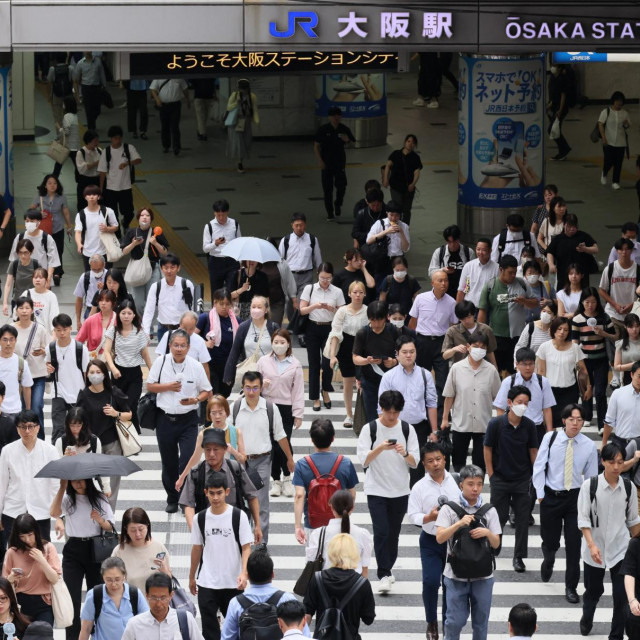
(137, 104)
(122, 204)
(58, 238)
(59, 410)
(429, 76)
(35, 608)
(558, 509)
(461, 443)
(333, 177)
(504, 353)
(216, 375)
(516, 493)
(316, 338)
(278, 459)
(92, 106)
(219, 269)
(429, 356)
(423, 431)
(170, 125)
(209, 602)
(563, 396)
(594, 588)
(130, 383)
(78, 564)
(386, 516)
(613, 157)
(598, 369)
(563, 145)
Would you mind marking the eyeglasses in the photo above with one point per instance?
(4, 599)
(179, 347)
(114, 580)
(28, 427)
(158, 598)
(253, 389)
(325, 279)
(217, 413)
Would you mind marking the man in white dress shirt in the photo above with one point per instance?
(301, 250)
(197, 346)
(20, 491)
(172, 296)
(476, 273)
(217, 234)
(513, 239)
(14, 372)
(181, 385)
(258, 431)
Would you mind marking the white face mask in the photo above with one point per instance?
(477, 353)
(144, 225)
(532, 279)
(95, 378)
(545, 317)
(519, 409)
(30, 226)
(397, 323)
(280, 349)
(399, 275)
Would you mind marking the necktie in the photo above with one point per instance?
(568, 465)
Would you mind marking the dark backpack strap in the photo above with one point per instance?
(352, 592)
(441, 255)
(201, 517)
(405, 432)
(97, 601)
(593, 487)
(554, 435)
(187, 296)
(457, 509)
(637, 275)
(83, 221)
(373, 430)
(467, 253)
(530, 333)
(14, 268)
(627, 488)
(210, 229)
(286, 247)
(270, 417)
(236, 409)
(324, 596)
(610, 275)
(235, 525)
(483, 510)
(166, 351)
(243, 601)
(502, 242)
(539, 380)
(107, 152)
(93, 444)
(79, 356)
(158, 284)
(183, 623)
(388, 282)
(133, 598)
(87, 277)
(45, 235)
(512, 377)
(275, 598)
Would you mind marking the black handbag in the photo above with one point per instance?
(444, 440)
(359, 414)
(377, 251)
(310, 569)
(105, 98)
(104, 544)
(254, 476)
(298, 323)
(148, 411)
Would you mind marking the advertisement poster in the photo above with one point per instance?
(359, 95)
(501, 131)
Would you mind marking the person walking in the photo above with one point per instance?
(86, 162)
(558, 106)
(476, 273)
(451, 258)
(612, 125)
(168, 96)
(401, 174)
(137, 104)
(242, 109)
(89, 78)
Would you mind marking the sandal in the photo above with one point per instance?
(348, 423)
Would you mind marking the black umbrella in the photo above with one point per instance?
(88, 465)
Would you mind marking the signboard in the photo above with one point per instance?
(568, 57)
(216, 64)
(6, 137)
(501, 132)
(358, 95)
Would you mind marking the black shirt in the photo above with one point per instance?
(8, 430)
(369, 343)
(456, 262)
(220, 353)
(343, 280)
(138, 251)
(93, 403)
(557, 86)
(563, 249)
(364, 220)
(631, 563)
(331, 146)
(510, 445)
(401, 293)
(259, 284)
(402, 169)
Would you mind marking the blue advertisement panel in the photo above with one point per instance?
(501, 131)
(361, 95)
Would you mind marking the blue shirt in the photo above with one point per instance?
(585, 462)
(138, 85)
(411, 386)
(112, 621)
(220, 353)
(540, 398)
(255, 593)
(324, 461)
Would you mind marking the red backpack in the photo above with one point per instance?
(321, 488)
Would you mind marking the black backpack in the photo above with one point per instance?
(286, 246)
(127, 155)
(470, 558)
(465, 250)
(62, 86)
(14, 267)
(502, 241)
(198, 477)
(211, 229)
(83, 220)
(259, 620)
(513, 379)
(331, 625)
(97, 602)
(235, 525)
(44, 240)
(593, 487)
(187, 296)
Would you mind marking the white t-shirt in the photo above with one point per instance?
(473, 278)
(622, 289)
(569, 300)
(78, 523)
(117, 179)
(197, 347)
(560, 371)
(9, 369)
(388, 474)
(45, 307)
(92, 243)
(334, 527)
(70, 380)
(221, 558)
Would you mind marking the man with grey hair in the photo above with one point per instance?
(181, 384)
(469, 582)
(89, 283)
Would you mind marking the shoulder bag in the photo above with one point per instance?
(250, 363)
(181, 599)
(138, 272)
(311, 568)
(377, 251)
(61, 602)
(111, 245)
(102, 546)
(127, 434)
(58, 151)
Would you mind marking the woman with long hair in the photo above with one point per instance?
(591, 327)
(45, 302)
(87, 514)
(125, 351)
(355, 270)
(93, 331)
(342, 505)
(569, 297)
(10, 609)
(104, 404)
(628, 348)
(113, 281)
(138, 550)
(553, 224)
(31, 565)
(284, 386)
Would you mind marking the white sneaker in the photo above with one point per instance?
(384, 586)
(615, 186)
(433, 104)
(586, 423)
(418, 102)
(392, 579)
(615, 383)
(276, 488)
(287, 487)
(603, 179)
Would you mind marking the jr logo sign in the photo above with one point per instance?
(306, 20)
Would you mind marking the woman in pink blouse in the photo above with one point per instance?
(284, 386)
(94, 329)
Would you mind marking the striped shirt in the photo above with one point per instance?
(593, 345)
(128, 349)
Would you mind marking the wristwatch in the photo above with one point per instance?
(406, 455)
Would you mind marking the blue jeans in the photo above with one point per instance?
(461, 595)
(433, 556)
(37, 402)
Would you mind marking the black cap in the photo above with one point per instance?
(214, 436)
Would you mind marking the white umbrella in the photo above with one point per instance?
(255, 249)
